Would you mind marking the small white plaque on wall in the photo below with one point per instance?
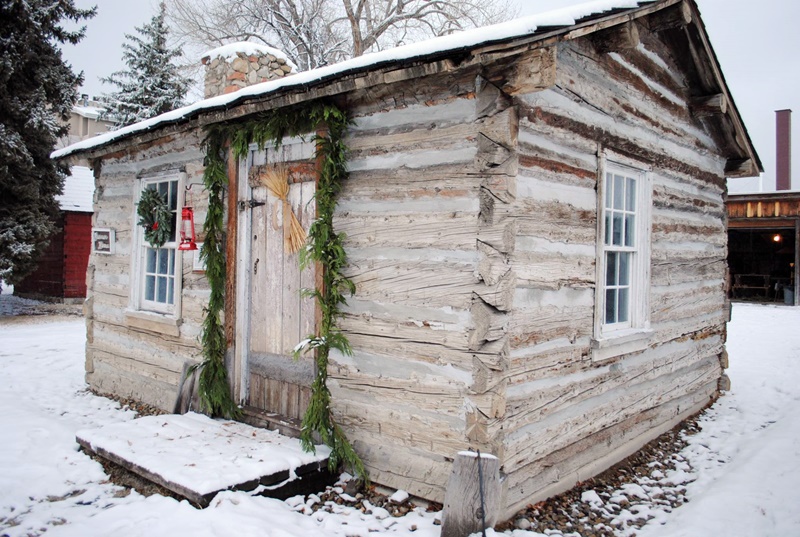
(197, 264)
(103, 240)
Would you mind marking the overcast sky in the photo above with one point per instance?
(757, 44)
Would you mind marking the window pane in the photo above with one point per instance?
(149, 287)
(151, 260)
(630, 195)
(622, 305)
(163, 261)
(630, 229)
(609, 190)
(170, 291)
(174, 222)
(619, 192)
(171, 270)
(624, 272)
(608, 228)
(611, 306)
(173, 195)
(611, 268)
(162, 290)
(616, 235)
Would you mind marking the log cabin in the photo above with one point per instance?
(535, 226)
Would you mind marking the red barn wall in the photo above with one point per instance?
(77, 246)
(46, 280)
(62, 267)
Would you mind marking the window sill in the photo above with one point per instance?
(153, 322)
(619, 343)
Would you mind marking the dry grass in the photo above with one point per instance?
(276, 179)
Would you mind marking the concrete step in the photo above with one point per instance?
(196, 457)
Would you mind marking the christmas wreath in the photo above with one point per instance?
(155, 217)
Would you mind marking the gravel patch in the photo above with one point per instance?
(622, 499)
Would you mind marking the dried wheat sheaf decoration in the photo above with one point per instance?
(276, 179)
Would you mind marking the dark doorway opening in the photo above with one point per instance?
(761, 263)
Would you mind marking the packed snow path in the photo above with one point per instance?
(743, 476)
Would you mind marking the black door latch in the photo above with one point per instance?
(249, 204)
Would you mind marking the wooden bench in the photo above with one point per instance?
(745, 282)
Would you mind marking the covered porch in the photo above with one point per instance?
(764, 247)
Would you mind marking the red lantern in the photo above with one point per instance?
(187, 230)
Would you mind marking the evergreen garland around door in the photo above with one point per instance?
(325, 247)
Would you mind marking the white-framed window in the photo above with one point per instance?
(622, 295)
(156, 278)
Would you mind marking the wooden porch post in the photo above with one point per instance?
(230, 273)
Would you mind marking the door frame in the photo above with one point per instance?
(243, 279)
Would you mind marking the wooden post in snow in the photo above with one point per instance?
(462, 499)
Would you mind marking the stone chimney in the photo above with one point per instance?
(232, 67)
(783, 143)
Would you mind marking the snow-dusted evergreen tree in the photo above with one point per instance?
(36, 88)
(152, 83)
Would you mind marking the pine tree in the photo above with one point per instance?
(36, 88)
(152, 84)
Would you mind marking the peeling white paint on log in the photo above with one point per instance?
(545, 245)
(679, 186)
(553, 270)
(448, 316)
(653, 85)
(416, 206)
(413, 254)
(458, 111)
(416, 160)
(573, 151)
(449, 231)
(579, 197)
(531, 299)
(378, 365)
(666, 249)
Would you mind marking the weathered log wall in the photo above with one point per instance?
(129, 353)
(568, 416)
(410, 210)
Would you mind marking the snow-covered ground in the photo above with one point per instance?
(743, 468)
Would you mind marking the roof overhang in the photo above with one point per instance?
(678, 20)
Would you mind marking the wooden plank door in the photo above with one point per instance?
(279, 315)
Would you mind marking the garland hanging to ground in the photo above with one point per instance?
(215, 395)
(324, 246)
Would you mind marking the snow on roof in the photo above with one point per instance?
(78, 191)
(230, 51)
(567, 16)
(91, 112)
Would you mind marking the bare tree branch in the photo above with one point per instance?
(318, 32)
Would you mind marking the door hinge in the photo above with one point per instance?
(249, 204)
